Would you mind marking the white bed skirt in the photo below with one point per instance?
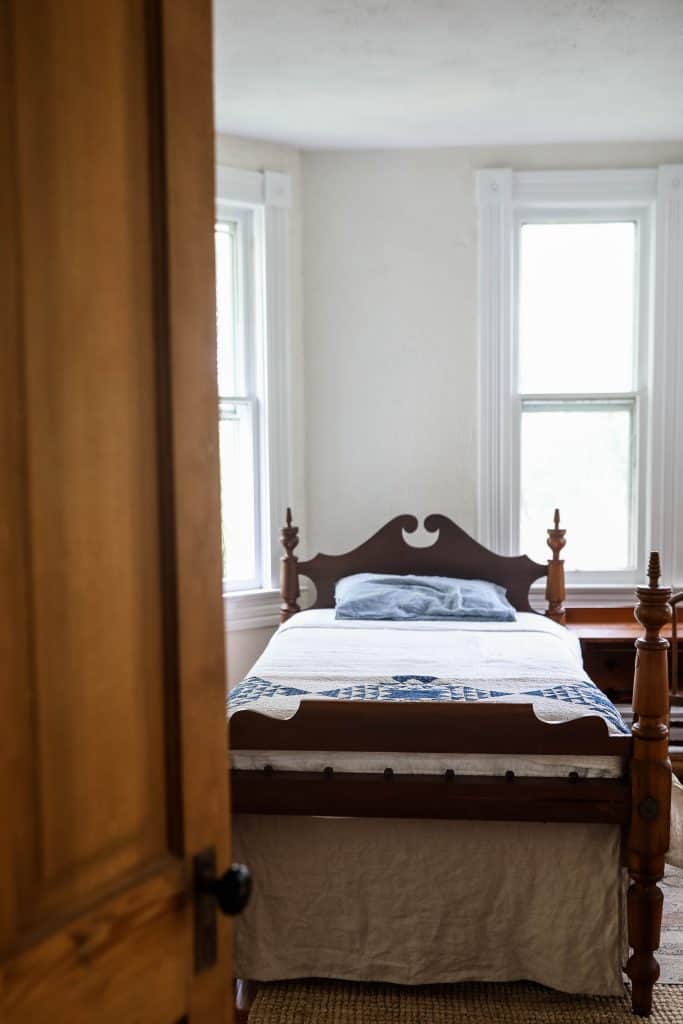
(421, 902)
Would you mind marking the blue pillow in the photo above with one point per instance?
(374, 596)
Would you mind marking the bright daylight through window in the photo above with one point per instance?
(579, 386)
(238, 402)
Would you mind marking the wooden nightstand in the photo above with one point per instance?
(607, 637)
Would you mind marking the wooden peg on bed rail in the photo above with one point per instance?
(554, 589)
(648, 838)
(289, 574)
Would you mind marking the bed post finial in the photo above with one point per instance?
(648, 838)
(654, 570)
(554, 589)
(289, 575)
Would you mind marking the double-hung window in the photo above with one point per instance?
(252, 321)
(241, 406)
(579, 374)
(581, 383)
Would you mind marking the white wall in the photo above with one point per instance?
(384, 333)
(245, 645)
(390, 328)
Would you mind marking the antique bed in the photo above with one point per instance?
(637, 801)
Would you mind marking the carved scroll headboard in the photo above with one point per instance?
(453, 553)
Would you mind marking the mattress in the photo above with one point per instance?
(532, 660)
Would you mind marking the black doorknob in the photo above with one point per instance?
(231, 889)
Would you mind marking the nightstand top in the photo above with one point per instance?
(600, 625)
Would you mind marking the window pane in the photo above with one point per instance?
(576, 307)
(578, 459)
(238, 497)
(228, 313)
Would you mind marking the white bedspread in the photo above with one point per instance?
(532, 660)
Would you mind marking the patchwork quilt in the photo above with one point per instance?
(531, 661)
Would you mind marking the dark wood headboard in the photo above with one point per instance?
(453, 553)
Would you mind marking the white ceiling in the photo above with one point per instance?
(382, 73)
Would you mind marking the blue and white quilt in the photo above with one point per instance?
(531, 661)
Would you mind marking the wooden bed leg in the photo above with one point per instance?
(648, 839)
(245, 993)
(554, 589)
(289, 574)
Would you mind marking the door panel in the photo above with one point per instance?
(113, 738)
(117, 963)
(93, 538)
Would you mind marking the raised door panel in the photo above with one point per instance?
(93, 546)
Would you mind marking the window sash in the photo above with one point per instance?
(248, 287)
(248, 404)
(641, 216)
(246, 412)
(606, 402)
(233, 229)
(558, 217)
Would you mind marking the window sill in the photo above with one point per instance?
(251, 609)
(260, 609)
(591, 595)
(254, 609)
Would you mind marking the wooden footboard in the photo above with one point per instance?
(424, 727)
(428, 728)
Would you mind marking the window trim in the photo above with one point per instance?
(269, 195)
(656, 195)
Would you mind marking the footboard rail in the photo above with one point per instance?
(428, 728)
(447, 796)
(424, 727)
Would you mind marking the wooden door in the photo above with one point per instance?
(112, 729)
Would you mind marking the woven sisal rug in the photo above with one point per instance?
(337, 1002)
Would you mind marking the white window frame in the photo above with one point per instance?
(265, 198)
(250, 329)
(636, 399)
(654, 199)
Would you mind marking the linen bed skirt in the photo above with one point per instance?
(421, 902)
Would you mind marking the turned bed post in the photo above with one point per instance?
(289, 574)
(554, 588)
(648, 838)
